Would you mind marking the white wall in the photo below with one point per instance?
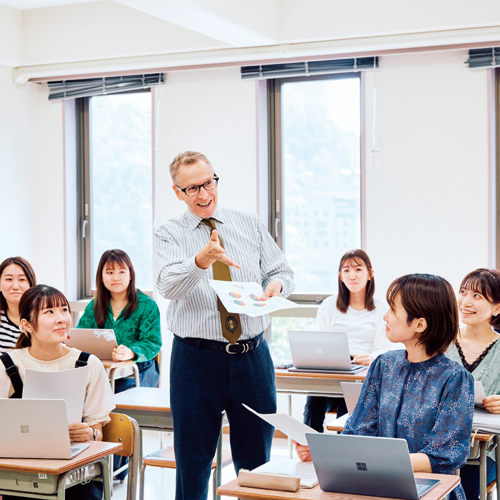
(430, 212)
(31, 179)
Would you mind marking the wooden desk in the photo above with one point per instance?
(447, 484)
(49, 477)
(120, 369)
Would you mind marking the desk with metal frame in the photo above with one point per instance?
(43, 478)
(446, 485)
(150, 406)
(120, 369)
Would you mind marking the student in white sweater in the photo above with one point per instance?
(354, 311)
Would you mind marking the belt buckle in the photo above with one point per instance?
(229, 345)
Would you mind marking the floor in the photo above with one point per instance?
(160, 483)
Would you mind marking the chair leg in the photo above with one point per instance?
(214, 483)
(141, 482)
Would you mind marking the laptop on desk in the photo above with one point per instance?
(364, 465)
(99, 342)
(36, 428)
(321, 352)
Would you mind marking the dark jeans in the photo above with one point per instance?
(469, 476)
(90, 491)
(149, 376)
(203, 384)
(317, 407)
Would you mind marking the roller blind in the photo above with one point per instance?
(71, 89)
(481, 58)
(308, 68)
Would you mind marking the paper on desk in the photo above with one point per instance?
(479, 393)
(286, 424)
(69, 385)
(291, 467)
(244, 298)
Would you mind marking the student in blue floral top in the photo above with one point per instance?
(134, 317)
(418, 394)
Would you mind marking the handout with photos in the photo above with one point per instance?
(245, 298)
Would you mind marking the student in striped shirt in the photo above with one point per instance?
(16, 276)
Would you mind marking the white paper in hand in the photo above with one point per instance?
(479, 393)
(286, 424)
(69, 385)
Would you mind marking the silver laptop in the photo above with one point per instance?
(323, 352)
(362, 465)
(351, 392)
(36, 428)
(100, 343)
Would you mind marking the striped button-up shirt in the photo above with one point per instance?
(193, 309)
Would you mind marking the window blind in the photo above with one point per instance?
(481, 58)
(71, 89)
(308, 68)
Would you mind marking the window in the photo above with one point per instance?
(115, 183)
(315, 172)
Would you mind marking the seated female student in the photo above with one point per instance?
(134, 317)
(16, 276)
(45, 321)
(354, 311)
(478, 351)
(419, 394)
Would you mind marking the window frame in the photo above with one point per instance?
(83, 120)
(275, 163)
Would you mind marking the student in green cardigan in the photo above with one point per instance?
(133, 316)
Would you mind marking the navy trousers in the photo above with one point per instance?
(317, 407)
(203, 384)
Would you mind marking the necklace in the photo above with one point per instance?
(472, 350)
(116, 309)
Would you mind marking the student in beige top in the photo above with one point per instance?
(45, 321)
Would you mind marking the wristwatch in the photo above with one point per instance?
(94, 433)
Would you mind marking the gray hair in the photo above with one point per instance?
(186, 158)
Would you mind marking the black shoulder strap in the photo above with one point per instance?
(13, 373)
(82, 360)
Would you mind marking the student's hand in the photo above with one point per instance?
(272, 290)
(80, 432)
(492, 404)
(212, 252)
(122, 353)
(363, 359)
(303, 452)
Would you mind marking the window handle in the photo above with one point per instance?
(276, 223)
(84, 227)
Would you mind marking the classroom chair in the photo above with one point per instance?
(125, 430)
(480, 443)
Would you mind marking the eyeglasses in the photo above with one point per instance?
(208, 185)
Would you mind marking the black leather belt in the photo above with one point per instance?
(241, 347)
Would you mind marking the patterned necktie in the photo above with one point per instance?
(230, 323)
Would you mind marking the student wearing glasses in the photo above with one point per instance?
(219, 360)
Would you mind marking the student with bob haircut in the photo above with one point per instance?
(133, 316)
(419, 394)
(45, 321)
(477, 349)
(360, 315)
(16, 276)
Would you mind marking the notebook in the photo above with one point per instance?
(36, 428)
(323, 352)
(100, 343)
(365, 465)
(351, 392)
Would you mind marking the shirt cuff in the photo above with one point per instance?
(194, 270)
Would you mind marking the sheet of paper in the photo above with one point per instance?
(244, 298)
(64, 384)
(479, 393)
(286, 424)
(291, 467)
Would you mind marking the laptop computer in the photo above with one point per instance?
(323, 352)
(351, 392)
(100, 343)
(36, 428)
(364, 465)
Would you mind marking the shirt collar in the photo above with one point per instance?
(193, 221)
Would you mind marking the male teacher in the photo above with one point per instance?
(219, 359)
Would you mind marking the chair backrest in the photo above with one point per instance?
(122, 429)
